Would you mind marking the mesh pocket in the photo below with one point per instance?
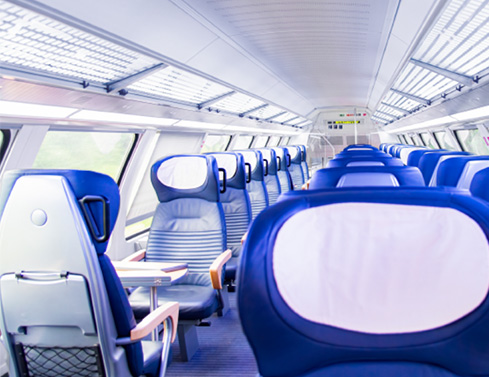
(64, 362)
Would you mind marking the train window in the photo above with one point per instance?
(243, 142)
(138, 228)
(444, 140)
(409, 140)
(215, 143)
(417, 140)
(285, 141)
(103, 152)
(273, 141)
(260, 141)
(400, 138)
(428, 140)
(4, 142)
(472, 141)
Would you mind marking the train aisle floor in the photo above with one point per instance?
(223, 351)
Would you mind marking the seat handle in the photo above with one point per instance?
(25, 275)
(84, 202)
(248, 178)
(290, 160)
(266, 167)
(224, 179)
(279, 163)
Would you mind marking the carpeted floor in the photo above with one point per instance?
(223, 352)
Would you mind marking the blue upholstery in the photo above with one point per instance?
(330, 177)
(305, 168)
(287, 344)
(450, 170)
(237, 208)
(415, 156)
(255, 184)
(361, 154)
(283, 170)
(428, 162)
(382, 147)
(480, 184)
(271, 179)
(294, 164)
(51, 191)
(188, 227)
(344, 161)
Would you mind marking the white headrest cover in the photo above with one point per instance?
(228, 162)
(368, 179)
(183, 172)
(361, 273)
(250, 158)
(471, 167)
(293, 151)
(405, 152)
(267, 155)
(365, 163)
(359, 149)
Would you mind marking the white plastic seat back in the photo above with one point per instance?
(471, 167)
(368, 179)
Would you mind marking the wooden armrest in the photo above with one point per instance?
(135, 257)
(153, 319)
(216, 268)
(243, 239)
(305, 186)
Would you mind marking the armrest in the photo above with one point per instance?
(216, 268)
(135, 257)
(153, 319)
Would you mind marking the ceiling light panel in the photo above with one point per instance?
(390, 110)
(237, 103)
(179, 85)
(30, 40)
(284, 117)
(266, 112)
(400, 101)
(460, 39)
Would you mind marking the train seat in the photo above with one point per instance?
(480, 183)
(429, 161)
(188, 227)
(293, 154)
(415, 156)
(255, 181)
(470, 169)
(304, 166)
(283, 170)
(366, 176)
(363, 299)
(450, 170)
(361, 154)
(270, 175)
(364, 161)
(236, 205)
(390, 148)
(398, 149)
(64, 310)
(405, 152)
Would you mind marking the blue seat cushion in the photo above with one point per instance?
(231, 267)
(152, 357)
(194, 293)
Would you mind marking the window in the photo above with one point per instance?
(243, 142)
(444, 140)
(260, 141)
(4, 142)
(428, 140)
(409, 140)
(273, 141)
(285, 141)
(103, 152)
(138, 228)
(472, 141)
(215, 143)
(417, 140)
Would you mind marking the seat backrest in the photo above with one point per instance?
(390, 149)
(235, 200)
(63, 305)
(382, 147)
(429, 161)
(345, 306)
(470, 169)
(415, 156)
(255, 182)
(405, 152)
(188, 224)
(270, 171)
(449, 170)
(293, 154)
(365, 161)
(480, 183)
(360, 147)
(362, 154)
(283, 170)
(366, 176)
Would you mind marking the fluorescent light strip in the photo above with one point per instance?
(199, 125)
(102, 116)
(20, 109)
